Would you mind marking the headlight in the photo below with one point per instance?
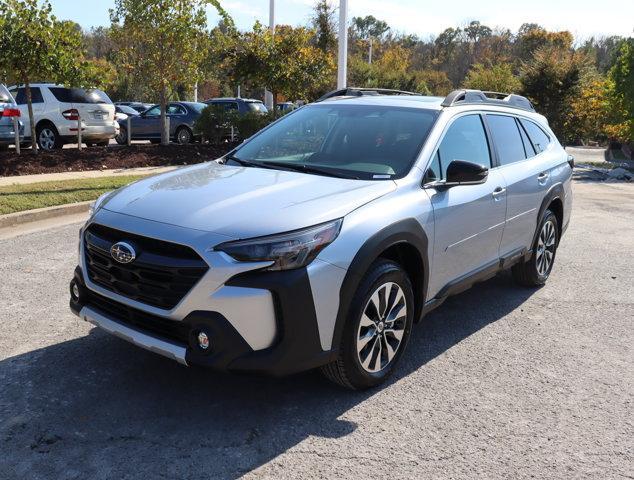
(288, 250)
(96, 205)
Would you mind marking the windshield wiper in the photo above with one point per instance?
(296, 167)
(244, 163)
(248, 163)
(302, 167)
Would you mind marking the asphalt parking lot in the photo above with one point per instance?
(500, 382)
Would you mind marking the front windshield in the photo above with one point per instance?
(361, 141)
(127, 110)
(257, 107)
(199, 107)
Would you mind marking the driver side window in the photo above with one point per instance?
(154, 111)
(464, 140)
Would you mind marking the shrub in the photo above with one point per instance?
(214, 124)
(251, 123)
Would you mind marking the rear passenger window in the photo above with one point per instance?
(538, 137)
(36, 96)
(507, 139)
(465, 140)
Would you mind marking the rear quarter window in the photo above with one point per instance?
(79, 95)
(538, 137)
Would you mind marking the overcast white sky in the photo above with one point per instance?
(584, 18)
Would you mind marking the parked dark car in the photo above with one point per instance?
(122, 112)
(8, 110)
(147, 125)
(241, 105)
(138, 106)
(285, 107)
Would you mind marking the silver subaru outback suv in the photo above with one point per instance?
(322, 239)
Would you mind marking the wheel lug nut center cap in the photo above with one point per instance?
(380, 327)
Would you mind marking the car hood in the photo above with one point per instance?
(243, 202)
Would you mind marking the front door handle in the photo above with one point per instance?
(499, 191)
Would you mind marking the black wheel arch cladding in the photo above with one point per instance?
(407, 231)
(556, 192)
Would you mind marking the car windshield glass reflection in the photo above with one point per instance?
(362, 141)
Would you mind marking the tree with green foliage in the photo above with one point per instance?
(622, 91)
(369, 29)
(35, 46)
(551, 80)
(159, 41)
(284, 63)
(323, 21)
(493, 78)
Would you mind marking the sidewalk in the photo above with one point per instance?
(46, 177)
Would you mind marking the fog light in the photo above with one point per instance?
(203, 341)
(75, 291)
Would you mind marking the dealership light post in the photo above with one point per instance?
(342, 62)
(268, 96)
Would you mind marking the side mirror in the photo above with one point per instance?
(460, 172)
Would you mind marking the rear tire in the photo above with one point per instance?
(184, 136)
(536, 270)
(48, 138)
(377, 329)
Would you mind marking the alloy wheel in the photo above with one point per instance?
(546, 248)
(47, 139)
(184, 136)
(382, 327)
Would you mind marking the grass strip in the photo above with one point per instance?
(18, 198)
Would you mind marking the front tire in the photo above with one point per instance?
(377, 329)
(536, 271)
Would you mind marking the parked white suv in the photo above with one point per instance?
(55, 110)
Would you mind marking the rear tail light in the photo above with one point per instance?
(11, 112)
(71, 114)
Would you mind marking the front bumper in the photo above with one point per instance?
(296, 346)
(268, 322)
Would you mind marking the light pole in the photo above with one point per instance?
(342, 62)
(268, 96)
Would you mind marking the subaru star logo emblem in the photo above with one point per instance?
(122, 252)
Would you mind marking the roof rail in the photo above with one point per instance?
(359, 92)
(473, 97)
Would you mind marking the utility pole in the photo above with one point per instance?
(342, 62)
(268, 96)
(370, 53)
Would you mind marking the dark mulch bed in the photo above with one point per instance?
(101, 158)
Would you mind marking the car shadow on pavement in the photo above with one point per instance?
(97, 407)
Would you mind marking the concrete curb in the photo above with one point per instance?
(19, 218)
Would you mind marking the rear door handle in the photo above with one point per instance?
(542, 177)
